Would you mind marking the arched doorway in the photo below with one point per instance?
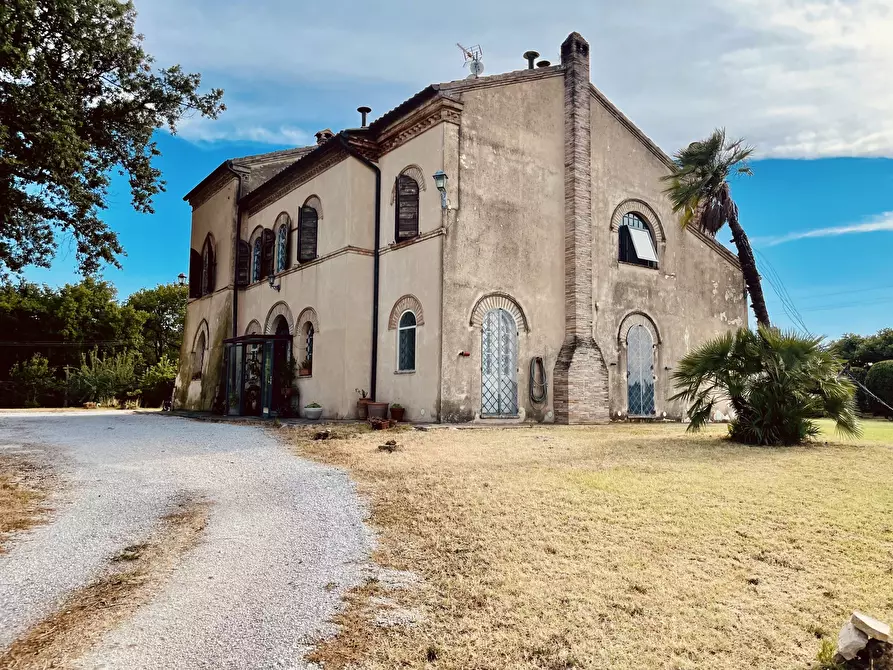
(640, 372)
(499, 364)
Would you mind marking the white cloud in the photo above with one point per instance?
(881, 222)
(798, 78)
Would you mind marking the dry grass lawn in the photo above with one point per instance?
(24, 489)
(623, 546)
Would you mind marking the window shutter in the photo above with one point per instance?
(243, 264)
(308, 234)
(407, 208)
(269, 241)
(288, 244)
(212, 269)
(195, 274)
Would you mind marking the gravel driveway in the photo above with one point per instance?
(255, 591)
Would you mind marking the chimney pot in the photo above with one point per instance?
(363, 111)
(543, 63)
(324, 135)
(531, 56)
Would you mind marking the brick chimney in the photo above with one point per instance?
(580, 375)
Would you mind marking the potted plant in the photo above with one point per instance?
(306, 368)
(397, 411)
(377, 410)
(361, 404)
(313, 411)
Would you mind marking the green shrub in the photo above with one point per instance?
(880, 382)
(776, 382)
(157, 383)
(31, 380)
(862, 401)
(102, 380)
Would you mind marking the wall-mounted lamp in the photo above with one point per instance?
(181, 279)
(440, 181)
(273, 285)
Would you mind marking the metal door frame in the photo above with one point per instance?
(499, 387)
(634, 364)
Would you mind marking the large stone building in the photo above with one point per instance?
(550, 280)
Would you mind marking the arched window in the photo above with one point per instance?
(406, 332)
(407, 208)
(282, 248)
(198, 356)
(636, 242)
(306, 366)
(209, 266)
(307, 234)
(257, 260)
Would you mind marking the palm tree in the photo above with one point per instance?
(699, 188)
(778, 383)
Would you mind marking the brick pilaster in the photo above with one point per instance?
(580, 376)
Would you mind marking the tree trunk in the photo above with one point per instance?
(748, 268)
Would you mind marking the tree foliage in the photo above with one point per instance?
(165, 310)
(79, 99)
(880, 382)
(31, 380)
(777, 382)
(157, 383)
(862, 350)
(699, 190)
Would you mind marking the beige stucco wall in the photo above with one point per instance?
(413, 268)
(507, 234)
(338, 287)
(694, 294)
(217, 216)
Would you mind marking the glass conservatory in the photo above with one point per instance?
(259, 375)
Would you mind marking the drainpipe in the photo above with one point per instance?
(375, 259)
(229, 166)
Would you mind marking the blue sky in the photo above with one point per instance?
(806, 81)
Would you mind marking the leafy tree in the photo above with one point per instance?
(165, 307)
(79, 98)
(880, 382)
(865, 350)
(32, 379)
(699, 188)
(777, 383)
(157, 382)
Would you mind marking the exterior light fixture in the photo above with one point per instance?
(181, 279)
(273, 285)
(440, 181)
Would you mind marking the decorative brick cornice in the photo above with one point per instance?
(396, 246)
(643, 209)
(208, 190)
(503, 79)
(308, 314)
(637, 318)
(442, 109)
(716, 246)
(282, 309)
(498, 300)
(293, 179)
(407, 302)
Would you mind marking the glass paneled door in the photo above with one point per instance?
(499, 364)
(640, 372)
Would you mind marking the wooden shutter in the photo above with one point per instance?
(212, 268)
(407, 225)
(195, 274)
(243, 264)
(308, 234)
(268, 247)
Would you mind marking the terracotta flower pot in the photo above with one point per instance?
(397, 413)
(362, 410)
(377, 410)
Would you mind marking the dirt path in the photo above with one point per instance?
(282, 540)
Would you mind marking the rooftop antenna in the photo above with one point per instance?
(473, 56)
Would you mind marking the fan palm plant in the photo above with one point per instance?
(777, 382)
(699, 189)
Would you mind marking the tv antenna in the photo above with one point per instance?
(473, 56)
